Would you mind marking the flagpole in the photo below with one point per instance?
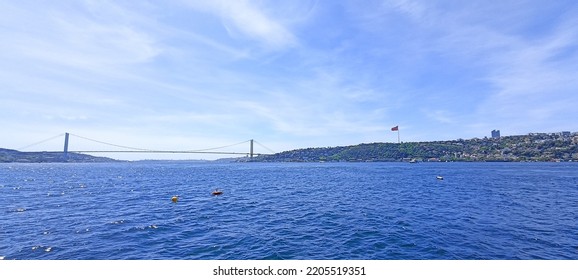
(396, 128)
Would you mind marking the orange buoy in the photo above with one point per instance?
(175, 198)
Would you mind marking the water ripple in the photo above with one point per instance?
(289, 211)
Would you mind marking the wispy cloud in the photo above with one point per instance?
(414, 9)
(246, 18)
(294, 73)
(522, 76)
(441, 116)
(74, 40)
(532, 80)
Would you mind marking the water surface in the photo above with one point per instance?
(289, 211)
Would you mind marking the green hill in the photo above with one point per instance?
(17, 156)
(531, 147)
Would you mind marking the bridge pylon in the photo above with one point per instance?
(66, 135)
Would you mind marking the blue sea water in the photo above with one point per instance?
(323, 211)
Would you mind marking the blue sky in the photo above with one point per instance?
(186, 74)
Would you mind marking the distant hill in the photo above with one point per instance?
(531, 147)
(7, 155)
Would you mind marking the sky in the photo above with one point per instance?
(191, 75)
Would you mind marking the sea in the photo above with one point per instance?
(293, 211)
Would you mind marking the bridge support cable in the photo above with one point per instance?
(128, 149)
(265, 147)
(110, 144)
(40, 142)
(165, 152)
(142, 150)
(216, 148)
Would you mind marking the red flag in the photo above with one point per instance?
(395, 128)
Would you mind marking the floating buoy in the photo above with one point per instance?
(175, 198)
(439, 177)
(217, 192)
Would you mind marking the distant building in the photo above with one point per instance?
(495, 133)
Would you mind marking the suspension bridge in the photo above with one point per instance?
(127, 149)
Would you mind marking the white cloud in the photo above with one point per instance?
(247, 18)
(527, 80)
(534, 81)
(75, 40)
(414, 9)
(442, 116)
(196, 73)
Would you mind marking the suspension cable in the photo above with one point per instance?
(40, 142)
(219, 147)
(142, 149)
(110, 144)
(151, 150)
(264, 147)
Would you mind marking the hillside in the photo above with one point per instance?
(17, 156)
(531, 147)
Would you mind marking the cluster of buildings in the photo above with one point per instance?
(559, 134)
(496, 134)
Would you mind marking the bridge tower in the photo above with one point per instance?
(251, 150)
(66, 135)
